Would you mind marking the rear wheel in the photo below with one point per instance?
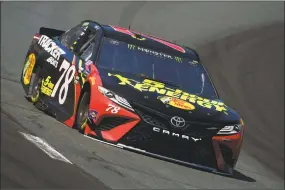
(82, 112)
(34, 89)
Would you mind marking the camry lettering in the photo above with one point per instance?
(176, 135)
(166, 132)
(51, 47)
(196, 139)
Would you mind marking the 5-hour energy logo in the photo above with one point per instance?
(47, 86)
(176, 94)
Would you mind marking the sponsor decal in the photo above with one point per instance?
(61, 87)
(148, 85)
(175, 102)
(47, 86)
(132, 47)
(28, 68)
(178, 59)
(133, 34)
(153, 53)
(52, 61)
(173, 134)
(92, 114)
(50, 46)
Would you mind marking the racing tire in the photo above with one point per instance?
(35, 87)
(82, 112)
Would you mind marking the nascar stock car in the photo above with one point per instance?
(134, 91)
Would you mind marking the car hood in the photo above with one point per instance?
(167, 99)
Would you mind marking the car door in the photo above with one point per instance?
(59, 84)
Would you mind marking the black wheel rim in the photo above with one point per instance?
(82, 115)
(36, 90)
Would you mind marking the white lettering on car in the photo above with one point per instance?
(52, 61)
(113, 109)
(177, 135)
(50, 47)
(67, 74)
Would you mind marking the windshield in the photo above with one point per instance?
(184, 73)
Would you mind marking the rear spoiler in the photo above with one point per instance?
(50, 32)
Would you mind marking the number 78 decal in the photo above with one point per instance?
(112, 108)
(68, 74)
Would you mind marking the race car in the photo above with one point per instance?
(134, 91)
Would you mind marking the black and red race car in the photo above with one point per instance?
(134, 91)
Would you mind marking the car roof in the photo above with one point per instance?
(146, 41)
(151, 42)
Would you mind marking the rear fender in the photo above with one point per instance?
(35, 57)
(31, 63)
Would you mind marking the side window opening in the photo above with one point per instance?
(82, 39)
(88, 51)
(85, 45)
(70, 36)
(78, 39)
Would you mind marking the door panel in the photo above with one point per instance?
(58, 71)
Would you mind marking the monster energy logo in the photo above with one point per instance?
(178, 59)
(130, 46)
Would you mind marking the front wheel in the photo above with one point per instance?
(82, 112)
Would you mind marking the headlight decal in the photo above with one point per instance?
(230, 129)
(115, 98)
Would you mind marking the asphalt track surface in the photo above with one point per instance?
(241, 44)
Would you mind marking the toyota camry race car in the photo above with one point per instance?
(134, 91)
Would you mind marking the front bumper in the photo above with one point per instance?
(132, 130)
